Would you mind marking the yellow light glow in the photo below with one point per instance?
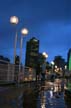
(52, 62)
(65, 66)
(14, 20)
(44, 54)
(55, 66)
(24, 31)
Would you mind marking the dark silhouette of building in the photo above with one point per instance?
(32, 51)
(17, 60)
(4, 68)
(69, 60)
(48, 66)
(59, 62)
(4, 60)
(41, 58)
(40, 61)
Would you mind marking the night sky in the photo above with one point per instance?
(47, 20)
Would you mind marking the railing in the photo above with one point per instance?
(10, 73)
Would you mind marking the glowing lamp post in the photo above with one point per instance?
(24, 32)
(52, 63)
(45, 54)
(14, 20)
(55, 66)
(44, 65)
(65, 67)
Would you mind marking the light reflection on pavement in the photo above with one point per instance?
(29, 97)
(49, 99)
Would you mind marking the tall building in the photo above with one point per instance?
(32, 51)
(69, 60)
(41, 58)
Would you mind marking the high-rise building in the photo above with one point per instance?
(41, 58)
(32, 51)
(69, 60)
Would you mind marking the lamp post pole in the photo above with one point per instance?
(52, 71)
(52, 64)
(44, 65)
(24, 32)
(14, 20)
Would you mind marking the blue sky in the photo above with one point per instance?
(47, 20)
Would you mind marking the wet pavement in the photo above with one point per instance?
(31, 95)
(47, 100)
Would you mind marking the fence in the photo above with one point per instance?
(10, 73)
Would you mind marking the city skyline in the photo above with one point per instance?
(7, 58)
(49, 21)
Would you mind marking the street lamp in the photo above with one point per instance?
(24, 32)
(52, 64)
(55, 66)
(65, 67)
(44, 65)
(45, 54)
(14, 20)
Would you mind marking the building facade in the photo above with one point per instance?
(32, 51)
(4, 60)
